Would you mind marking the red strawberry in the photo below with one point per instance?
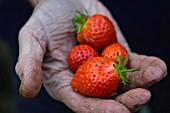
(114, 49)
(79, 55)
(99, 77)
(97, 31)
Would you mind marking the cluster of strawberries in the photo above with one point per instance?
(97, 60)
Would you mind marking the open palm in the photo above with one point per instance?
(45, 42)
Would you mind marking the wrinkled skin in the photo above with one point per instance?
(44, 43)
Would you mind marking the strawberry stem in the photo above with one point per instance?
(129, 70)
(79, 21)
(122, 70)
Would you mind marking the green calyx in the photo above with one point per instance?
(79, 21)
(122, 70)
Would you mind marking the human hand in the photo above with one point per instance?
(45, 42)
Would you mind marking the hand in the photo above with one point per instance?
(44, 43)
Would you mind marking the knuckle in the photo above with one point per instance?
(16, 69)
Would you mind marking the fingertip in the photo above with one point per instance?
(135, 98)
(143, 95)
(29, 91)
(31, 80)
(30, 74)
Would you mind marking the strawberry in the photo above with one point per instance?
(97, 30)
(80, 54)
(114, 49)
(99, 77)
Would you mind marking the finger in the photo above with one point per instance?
(134, 99)
(152, 69)
(29, 63)
(82, 104)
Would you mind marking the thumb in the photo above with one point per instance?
(29, 63)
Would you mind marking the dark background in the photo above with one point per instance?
(13, 15)
(145, 24)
